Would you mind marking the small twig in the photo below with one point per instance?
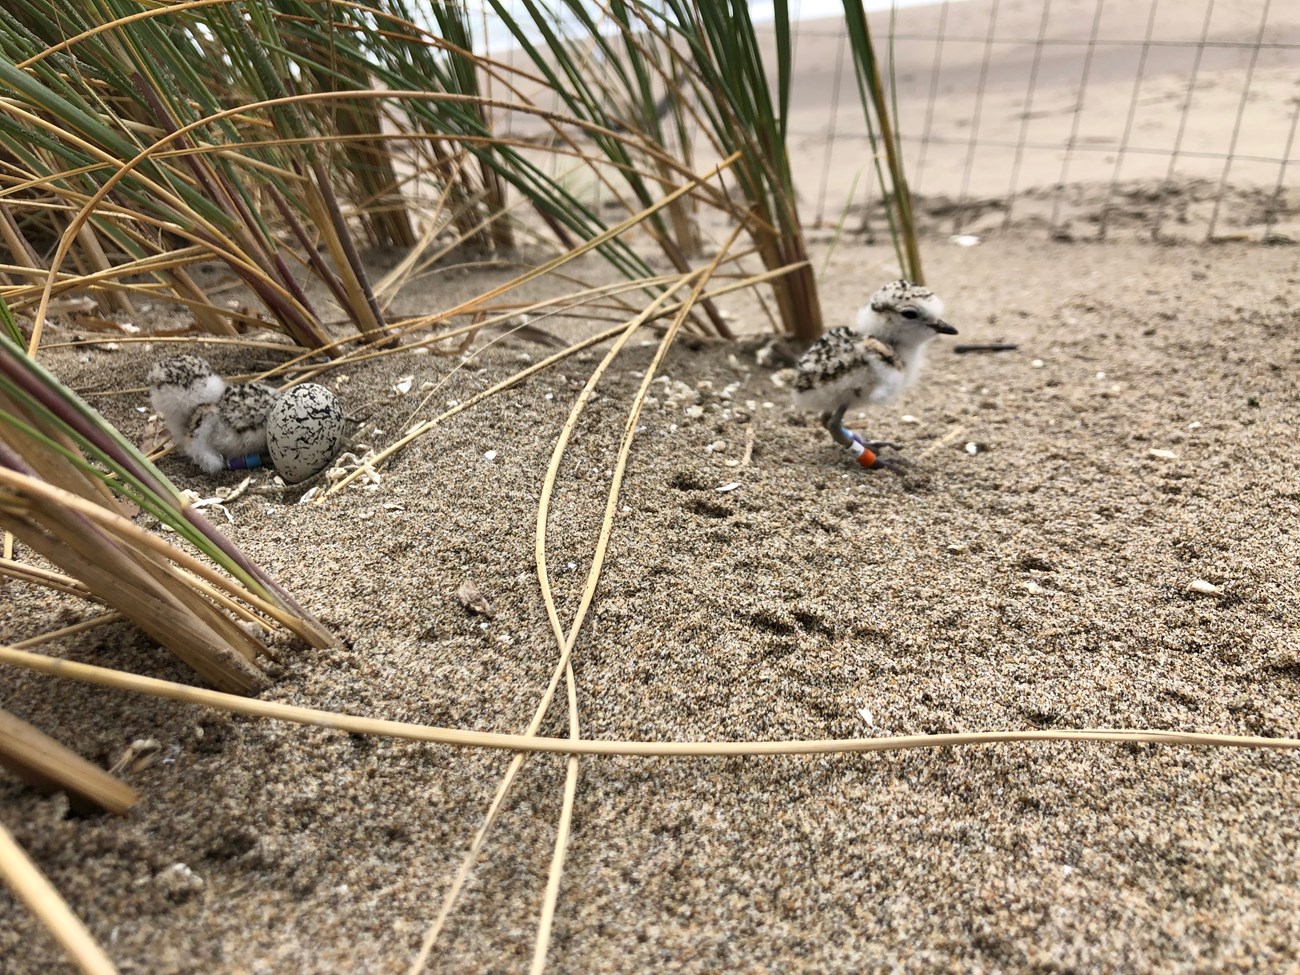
(749, 445)
(89, 624)
(986, 347)
(943, 441)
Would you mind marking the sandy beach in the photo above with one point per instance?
(1042, 582)
(1174, 120)
(986, 120)
(1101, 532)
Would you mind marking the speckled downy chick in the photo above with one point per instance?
(874, 361)
(232, 427)
(180, 384)
(209, 420)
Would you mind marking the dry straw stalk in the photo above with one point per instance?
(44, 763)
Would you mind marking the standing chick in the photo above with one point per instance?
(216, 425)
(874, 361)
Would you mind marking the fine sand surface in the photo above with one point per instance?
(1039, 582)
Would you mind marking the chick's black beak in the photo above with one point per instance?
(942, 327)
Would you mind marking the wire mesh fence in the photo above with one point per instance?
(1168, 118)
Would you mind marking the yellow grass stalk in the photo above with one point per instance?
(167, 339)
(566, 643)
(47, 765)
(31, 887)
(70, 630)
(551, 896)
(169, 10)
(461, 738)
(129, 532)
(87, 540)
(43, 577)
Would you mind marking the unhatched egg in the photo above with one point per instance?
(304, 431)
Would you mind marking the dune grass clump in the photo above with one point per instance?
(284, 139)
(281, 140)
(70, 485)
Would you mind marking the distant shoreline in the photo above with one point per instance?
(500, 41)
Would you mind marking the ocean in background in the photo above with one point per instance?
(492, 35)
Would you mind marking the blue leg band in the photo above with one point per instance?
(246, 462)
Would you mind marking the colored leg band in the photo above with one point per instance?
(865, 457)
(245, 462)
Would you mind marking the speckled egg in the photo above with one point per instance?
(304, 431)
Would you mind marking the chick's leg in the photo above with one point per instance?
(834, 423)
(864, 450)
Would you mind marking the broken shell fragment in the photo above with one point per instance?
(471, 597)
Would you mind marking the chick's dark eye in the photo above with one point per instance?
(910, 313)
